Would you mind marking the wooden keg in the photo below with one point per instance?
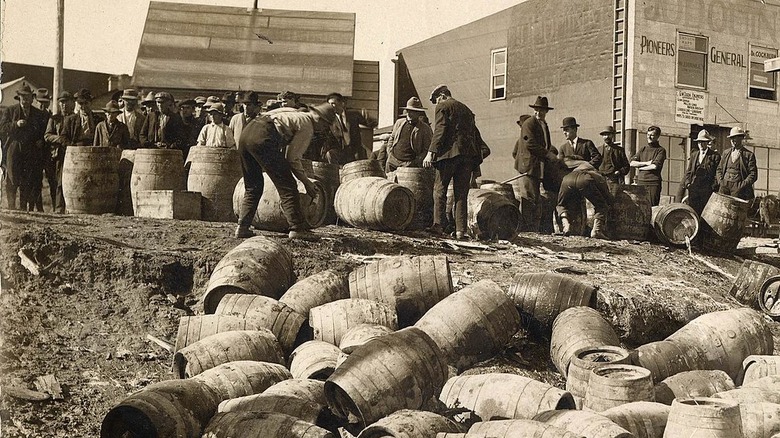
(327, 174)
(262, 424)
(214, 172)
(643, 419)
(157, 169)
(331, 321)
(375, 203)
(576, 328)
(90, 179)
(769, 297)
(243, 377)
(702, 416)
(543, 296)
(696, 383)
(585, 360)
(269, 215)
(492, 215)
(254, 345)
(750, 278)
(630, 216)
(723, 221)
(361, 169)
(315, 290)
(674, 224)
(617, 384)
(408, 423)
(420, 181)
(502, 189)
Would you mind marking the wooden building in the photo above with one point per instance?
(682, 65)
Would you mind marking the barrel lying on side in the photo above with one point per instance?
(492, 216)
(675, 223)
(703, 416)
(576, 328)
(316, 290)
(360, 334)
(723, 221)
(257, 345)
(242, 378)
(375, 204)
(688, 384)
(408, 423)
(194, 328)
(755, 367)
(269, 215)
(750, 277)
(307, 389)
(643, 419)
(584, 423)
(262, 424)
(314, 360)
(330, 321)
(283, 321)
(517, 428)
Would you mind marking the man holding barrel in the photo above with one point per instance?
(737, 171)
(584, 182)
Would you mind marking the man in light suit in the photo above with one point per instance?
(700, 176)
(132, 116)
(737, 171)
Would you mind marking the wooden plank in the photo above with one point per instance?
(175, 41)
(366, 77)
(202, 80)
(283, 47)
(328, 74)
(216, 68)
(364, 95)
(253, 20)
(276, 35)
(367, 104)
(365, 86)
(366, 67)
(312, 24)
(166, 6)
(243, 57)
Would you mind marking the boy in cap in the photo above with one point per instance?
(132, 116)
(737, 171)
(111, 132)
(216, 134)
(614, 164)
(701, 175)
(200, 114)
(56, 143)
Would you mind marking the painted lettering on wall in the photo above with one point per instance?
(656, 47)
(727, 58)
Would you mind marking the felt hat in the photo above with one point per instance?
(84, 95)
(522, 119)
(42, 95)
(326, 111)
(541, 103)
(569, 121)
(608, 130)
(129, 94)
(249, 97)
(437, 91)
(24, 91)
(413, 104)
(65, 95)
(737, 132)
(149, 99)
(188, 102)
(112, 107)
(217, 107)
(703, 136)
(200, 100)
(163, 95)
(229, 97)
(287, 94)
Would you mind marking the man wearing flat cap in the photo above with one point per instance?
(533, 151)
(80, 126)
(614, 164)
(111, 132)
(289, 99)
(456, 150)
(21, 132)
(250, 104)
(410, 138)
(700, 178)
(649, 161)
(132, 116)
(737, 171)
(55, 144)
(164, 128)
(192, 125)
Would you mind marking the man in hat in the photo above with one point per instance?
(737, 171)
(410, 138)
(614, 164)
(454, 152)
(44, 100)
(260, 148)
(216, 134)
(21, 133)
(55, 145)
(148, 105)
(192, 125)
(250, 104)
(583, 182)
(229, 99)
(649, 161)
(164, 128)
(576, 147)
(111, 132)
(700, 178)
(132, 117)
(80, 126)
(533, 150)
(288, 99)
(200, 114)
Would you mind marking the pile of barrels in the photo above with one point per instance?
(389, 351)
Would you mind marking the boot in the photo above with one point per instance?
(598, 227)
(565, 225)
(242, 232)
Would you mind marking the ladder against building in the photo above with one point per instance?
(771, 65)
(618, 70)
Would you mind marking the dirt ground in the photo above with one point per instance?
(106, 282)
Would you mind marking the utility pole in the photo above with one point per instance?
(57, 85)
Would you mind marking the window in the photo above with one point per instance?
(692, 60)
(761, 85)
(498, 74)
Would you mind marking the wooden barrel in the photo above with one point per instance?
(420, 181)
(690, 384)
(751, 394)
(584, 423)
(704, 417)
(258, 265)
(262, 424)
(517, 429)
(723, 221)
(284, 322)
(256, 345)
(124, 202)
(492, 216)
(194, 328)
(269, 215)
(674, 223)
(375, 204)
(90, 179)
(360, 334)
(503, 396)
(760, 419)
(771, 382)
(667, 358)
(769, 297)
(361, 169)
(328, 175)
(750, 278)
(330, 321)
(643, 419)
(486, 320)
(408, 423)
(401, 370)
(214, 172)
(299, 408)
(243, 377)
(314, 360)
(502, 189)
(417, 284)
(157, 169)
(171, 408)
(586, 359)
(576, 328)
(542, 296)
(307, 389)
(630, 216)
(755, 367)
(725, 338)
(315, 290)
(617, 384)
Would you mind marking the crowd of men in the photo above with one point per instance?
(273, 137)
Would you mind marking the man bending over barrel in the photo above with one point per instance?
(584, 182)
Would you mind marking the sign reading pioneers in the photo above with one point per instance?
(690, 107)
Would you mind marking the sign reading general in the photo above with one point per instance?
(690, 107)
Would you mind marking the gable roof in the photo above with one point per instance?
(43, 76)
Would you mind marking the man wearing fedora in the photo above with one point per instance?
(455, 152)
(44, 100)
(148, 105)
(533, 151)
(111, 132)
(21, 132)
(649, 161)
(79, 129)
(614, 163)
(216, 134)
(132, 117)
(164, 128)
(410, 138)
(700, 178)
(260, 148)
(55, 145)
(737, 171)
(576, 147)
(250, 103)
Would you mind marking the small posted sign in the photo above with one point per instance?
(690, 107)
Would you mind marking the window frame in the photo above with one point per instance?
(493, 76)
(677, 61)
(751, 47)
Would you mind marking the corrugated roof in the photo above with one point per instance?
(214, 47)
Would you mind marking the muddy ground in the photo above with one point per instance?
(106, 282)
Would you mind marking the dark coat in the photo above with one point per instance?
(701, 178)
(531, 149)
(748, 172)
(22, 146)
(73, 132)
(585, 150)
(173, 135)
(118, 135)
(454, 132)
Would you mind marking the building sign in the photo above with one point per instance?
(758, 77)
(692, 60)
(690, 107)
(727, 58)
(656, 47)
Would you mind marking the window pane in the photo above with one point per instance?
(498, 81)
(498, 93)
(691, 68)
(499, 57)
